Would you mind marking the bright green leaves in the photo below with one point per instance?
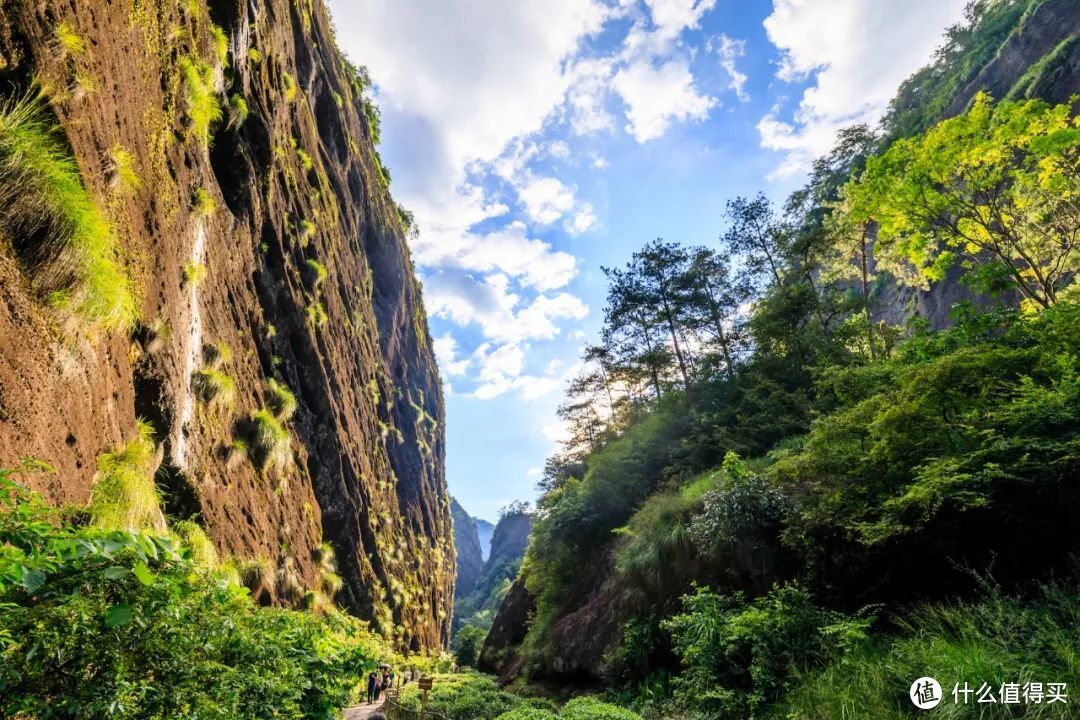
(997, 187)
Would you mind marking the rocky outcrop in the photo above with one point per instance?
(470, 560)
(1040, 59)
(287, 214)
(500, 653)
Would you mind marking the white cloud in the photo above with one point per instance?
(583, 221)
(856, 52)
(656, 96)
(501, 371)
(671, 17)
(729, 51)
(546, 199)
(502, 315)
(558, 149)
(534, 472)
(446, 348)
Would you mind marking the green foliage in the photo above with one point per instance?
(123, 175)
(316, 272)
(463, 696)
(60, 233)
(124, 496)
(1008, 639)
(281, 400)
(270, 444)
(91, 622)
(214, 387)
(316, 314)
(194, 274)
(925, 97)
(588, 708)
(289, 89)
(203, 203)
(528, 713)
(740, 657)
(201, 102)
(221, 45)
(69, 42)
(193, 536)
(467, 644)
(238, 110)
(994, 189)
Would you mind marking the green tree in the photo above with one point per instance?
(996, 189)
(467, 644)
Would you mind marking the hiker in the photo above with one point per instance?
(372, 687)
(378, 686)
(385, 679)
(391, 679)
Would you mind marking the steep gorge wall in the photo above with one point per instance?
(295, 187)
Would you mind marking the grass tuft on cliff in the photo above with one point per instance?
(203, 551)
(200, 97)
(61, 235)
(125, 496)
(270, 446)
(214, 388)
(281, 400)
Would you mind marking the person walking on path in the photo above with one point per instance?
(372, 687)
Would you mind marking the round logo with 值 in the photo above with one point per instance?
(925, 693)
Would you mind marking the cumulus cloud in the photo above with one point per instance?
(657, 95)
(446, 353)
(502, 314)
(854, 53)
(583, 221)
(546, 199)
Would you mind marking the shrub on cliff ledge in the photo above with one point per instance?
(60, 234)
(270, 446)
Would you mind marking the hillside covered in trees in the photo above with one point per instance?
(837, 450)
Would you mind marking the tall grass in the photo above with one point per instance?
(281, 400)
(203, 551)
(200, 97)
(270, 445)
(125, 496)
(62, 236)
(996, 640)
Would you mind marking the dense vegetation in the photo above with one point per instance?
(472, 696)
(102, 615)
(797, 495)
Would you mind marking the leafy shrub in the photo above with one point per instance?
(465, 696)
(528, 713)
(192, 536)
(61, 235)
(467, 644)
(587, 708)
(124, 625)
(741, 657)
(124, 496)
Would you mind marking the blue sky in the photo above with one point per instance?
(539, 140)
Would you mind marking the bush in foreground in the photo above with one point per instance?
(97, 623)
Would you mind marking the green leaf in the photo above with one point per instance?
(118, 615)
(115, 572)
(143, 574)
(32, 580)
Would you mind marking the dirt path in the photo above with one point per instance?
(362, 712)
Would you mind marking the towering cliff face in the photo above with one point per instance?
(271, 230)
(470, 559)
